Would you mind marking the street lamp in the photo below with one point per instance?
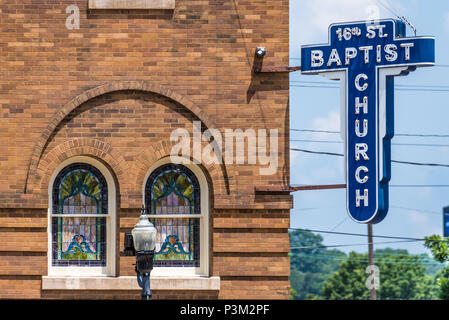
(143, 238)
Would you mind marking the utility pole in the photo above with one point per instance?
(373, 269)
(371, 261)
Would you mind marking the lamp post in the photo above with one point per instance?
(143, 240)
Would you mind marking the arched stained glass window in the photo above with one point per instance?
(172, 197)
(79, 213)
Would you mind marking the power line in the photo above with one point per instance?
(305, 209)
(436, 65)
(352, 245)
(423, 89)
(315, 141)
(312, 86)
(423, 135)
(395, 186)
(328, 83)
(394, 144)
(423, 262)
(358, 234)
(418, 210)
(398, 89)
(392, 206)
(420, 186)
(382, 254)
(318, 152)
(379, 255)
(388, 8)
(421, 164)
(396, 134)
(395, 161)
(339, 224)
(311, 130)
(421, 145)
(421, 86)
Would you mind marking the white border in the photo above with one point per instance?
(203, 270)
(86, 271)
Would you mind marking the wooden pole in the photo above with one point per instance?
(371, 261)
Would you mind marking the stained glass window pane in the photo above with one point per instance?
(177, 240)
(79, 189)
(174, 189)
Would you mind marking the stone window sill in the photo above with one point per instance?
(130, 283)
(132, 4)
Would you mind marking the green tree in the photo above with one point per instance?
(293, 293)
(402, 276)
(311, 264)
(440, 251)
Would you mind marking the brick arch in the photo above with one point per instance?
(60, 115)
(98, 149)
(220, 180)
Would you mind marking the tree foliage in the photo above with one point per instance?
(402, 276)
(439, 247)
(311, 264)
(320, 273)
(440, 251)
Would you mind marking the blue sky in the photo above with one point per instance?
(414, 212)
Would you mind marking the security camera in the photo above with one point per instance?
(260, 52)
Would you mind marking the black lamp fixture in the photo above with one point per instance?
(141, 242)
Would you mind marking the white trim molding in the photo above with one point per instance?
(203, 270)
(85, 271)
(130, 283)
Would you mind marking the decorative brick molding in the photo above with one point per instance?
(77, 147)
(132, 4)
(125, 172)
(220, 177)
(60, 115)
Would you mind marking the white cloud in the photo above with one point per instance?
(446, 21)
(418, 218)
(423, 222)
(331, 122)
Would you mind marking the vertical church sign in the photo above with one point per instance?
(365, 57)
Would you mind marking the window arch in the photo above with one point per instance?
(81, 214)
(175, 205)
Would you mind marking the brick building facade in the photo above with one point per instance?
(110, 93)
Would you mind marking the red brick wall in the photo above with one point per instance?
(114, 89)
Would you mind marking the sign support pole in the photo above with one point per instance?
(371, 260)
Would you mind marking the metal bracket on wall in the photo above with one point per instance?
(281, 189)
(267, 69)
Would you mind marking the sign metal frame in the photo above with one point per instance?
(402, 55)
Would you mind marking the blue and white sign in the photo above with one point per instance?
(365, 57)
